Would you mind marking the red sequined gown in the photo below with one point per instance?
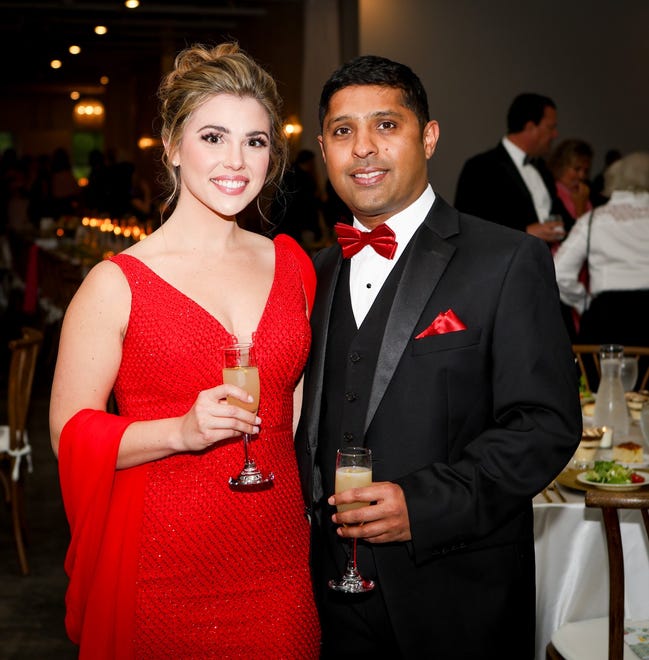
(220, 574)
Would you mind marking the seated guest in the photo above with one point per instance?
(570, 164)
(510, 184)
(613, 240)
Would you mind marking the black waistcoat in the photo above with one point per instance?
(351, 358)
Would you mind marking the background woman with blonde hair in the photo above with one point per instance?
(165, 559)
(570, 164)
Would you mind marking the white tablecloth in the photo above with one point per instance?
(572, 565)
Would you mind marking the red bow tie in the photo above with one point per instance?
(352, 240)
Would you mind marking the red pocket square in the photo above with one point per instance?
(444, 322)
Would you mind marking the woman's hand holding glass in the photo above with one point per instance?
(240, 368)
(212, 419)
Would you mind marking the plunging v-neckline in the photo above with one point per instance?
(200, 307)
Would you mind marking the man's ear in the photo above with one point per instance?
(431, 136)
(529, 126)
(322, 150)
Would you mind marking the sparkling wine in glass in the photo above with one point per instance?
(353, 470)
(241, 370)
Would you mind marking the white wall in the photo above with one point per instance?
(474, 56)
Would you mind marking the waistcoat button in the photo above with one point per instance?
(351, 396)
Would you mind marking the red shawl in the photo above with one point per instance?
(104, 511)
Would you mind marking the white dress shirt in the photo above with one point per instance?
(618, 259)
(533, 180)
(369, 270)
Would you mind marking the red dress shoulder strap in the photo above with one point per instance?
(307, 271)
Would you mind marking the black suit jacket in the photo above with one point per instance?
(491, 187)
(471, 424)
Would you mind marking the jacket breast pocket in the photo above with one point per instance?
(446, 342)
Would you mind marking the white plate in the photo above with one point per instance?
(581, 477)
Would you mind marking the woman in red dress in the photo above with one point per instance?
(165, 559)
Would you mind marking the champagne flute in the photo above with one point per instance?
(353, 470)
(241, 370)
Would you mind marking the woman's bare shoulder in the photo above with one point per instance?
(105, 286)
(257, 247)
(259, 240)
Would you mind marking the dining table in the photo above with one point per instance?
(572, 579)
(52, 261)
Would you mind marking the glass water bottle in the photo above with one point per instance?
(610, 405)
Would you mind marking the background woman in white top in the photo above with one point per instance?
(615, 243)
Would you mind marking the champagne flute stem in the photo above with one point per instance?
(354, 553)
(246, 440)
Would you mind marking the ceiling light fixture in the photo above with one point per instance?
(292, 127)
(101, 29)
(74, 50)
(147, 142)
(89, 113)
(132, 4)
(56, 64)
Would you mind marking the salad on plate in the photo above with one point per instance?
(611, 472)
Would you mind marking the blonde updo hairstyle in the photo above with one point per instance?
(198, 74)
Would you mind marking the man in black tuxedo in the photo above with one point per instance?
(439, 345)
(510, 184)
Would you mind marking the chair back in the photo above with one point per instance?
(587, 356)
(610, 502)
(14, 444)
(24, 352)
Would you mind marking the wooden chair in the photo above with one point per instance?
(598, 639)
(587, 356)
(14, 442)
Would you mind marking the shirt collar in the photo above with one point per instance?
(405, 223)
(515, 152)
(629, 197)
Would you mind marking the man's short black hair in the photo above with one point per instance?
(527, 107)
(374, 70)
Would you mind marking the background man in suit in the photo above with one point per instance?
(510, 183)
(448, 358)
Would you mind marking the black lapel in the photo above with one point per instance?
(327, 263)
(514, 174)
(426, 262)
